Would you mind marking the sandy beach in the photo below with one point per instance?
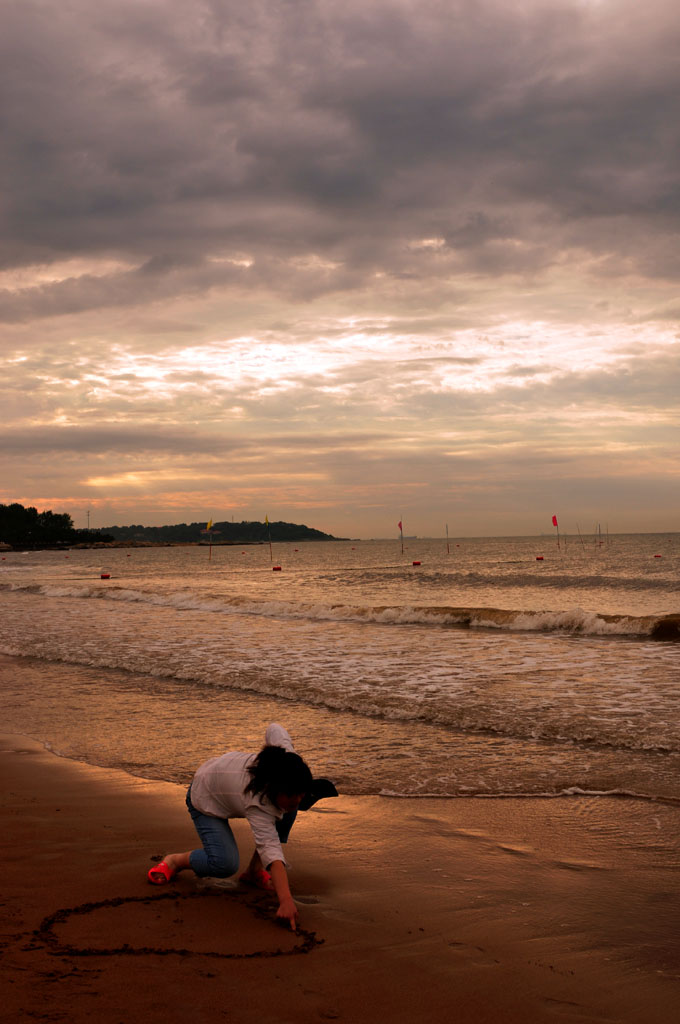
(476, 910)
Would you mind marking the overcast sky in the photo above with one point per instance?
(342, 262)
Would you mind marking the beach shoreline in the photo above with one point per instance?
(502, 910)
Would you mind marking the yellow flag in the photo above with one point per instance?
(209, 525)
(266, 519)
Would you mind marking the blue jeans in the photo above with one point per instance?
(219, 856)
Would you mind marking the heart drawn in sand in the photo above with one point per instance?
(207, 921)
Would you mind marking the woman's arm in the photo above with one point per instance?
(287, 909)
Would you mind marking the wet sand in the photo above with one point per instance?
(472, 910)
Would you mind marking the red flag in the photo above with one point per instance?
(554, 520)
(399, 524)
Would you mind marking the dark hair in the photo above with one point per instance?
(277, 770)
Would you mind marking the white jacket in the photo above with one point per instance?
(218, 790)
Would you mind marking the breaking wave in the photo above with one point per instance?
(574, 621)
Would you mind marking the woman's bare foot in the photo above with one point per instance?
(177, 861)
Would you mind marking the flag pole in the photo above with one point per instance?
(269, 535)
(448, 550)
(554, 522)
(401, 534)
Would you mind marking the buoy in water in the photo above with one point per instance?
(105, 576)
(276, 568)
(415, 563)
(657, 556)
(539, 558)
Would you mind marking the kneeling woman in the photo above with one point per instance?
(267, 789)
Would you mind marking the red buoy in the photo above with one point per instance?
(276, 568)
(539, 558)
(657, 556)
(415, 563)
(105, 576)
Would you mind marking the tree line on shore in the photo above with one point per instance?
(26, 528)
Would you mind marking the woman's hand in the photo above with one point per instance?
(288, 912)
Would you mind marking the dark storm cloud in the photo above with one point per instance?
(145, 438)
(508, 132)
(158, 278)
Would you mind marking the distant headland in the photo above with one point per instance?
(225, 532)
(27, 529)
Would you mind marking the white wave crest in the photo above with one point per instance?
(571, 620)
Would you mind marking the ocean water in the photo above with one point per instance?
(502, 666)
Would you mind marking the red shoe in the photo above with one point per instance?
(261, 879)
(160, 874)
